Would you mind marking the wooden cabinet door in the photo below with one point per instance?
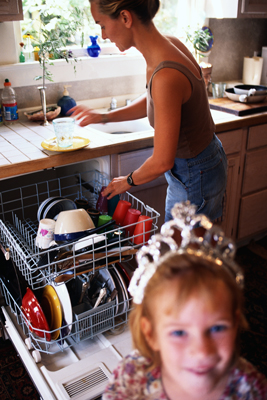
(229, 223)
(253, 215)
(252, 8)
(11, 10)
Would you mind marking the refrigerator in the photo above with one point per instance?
(75, 358)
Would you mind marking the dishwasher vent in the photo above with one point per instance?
(91, 380)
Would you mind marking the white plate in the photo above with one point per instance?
(105, 273)
(53, 209)
(64, 298)
(45, 204)
(126, 295)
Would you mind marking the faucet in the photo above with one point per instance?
(113, 104)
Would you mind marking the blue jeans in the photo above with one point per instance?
(201, 179)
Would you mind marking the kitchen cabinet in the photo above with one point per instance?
(252, 8)
(253, 210)
(233, 142)
(152, 193)
(236, 9)
(11, 10)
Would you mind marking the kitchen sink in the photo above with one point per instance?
(115, 128)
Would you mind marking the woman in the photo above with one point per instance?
(185, 146)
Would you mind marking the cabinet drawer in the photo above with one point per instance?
(231, 141)
(255, 173)
(253, 214)
(257, 136)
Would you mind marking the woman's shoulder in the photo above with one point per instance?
(132, 379)
(247, 382)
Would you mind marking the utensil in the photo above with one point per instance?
(85, 286)
(102, 294)
(83, 270)
(68, 263)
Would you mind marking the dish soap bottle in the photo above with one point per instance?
(94, 49)
(66, 102)
(9, 103)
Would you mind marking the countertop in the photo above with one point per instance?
(21, 151)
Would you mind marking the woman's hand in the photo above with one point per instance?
(116, 186)
(86, 115)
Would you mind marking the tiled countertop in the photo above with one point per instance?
(21, 151)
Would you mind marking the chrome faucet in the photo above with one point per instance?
(113, 104)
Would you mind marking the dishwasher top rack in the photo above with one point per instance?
(19, 225)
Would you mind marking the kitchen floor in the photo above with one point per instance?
(15, 383)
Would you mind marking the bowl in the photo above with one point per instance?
(34, 314)
(236, 97)
(244, 89)
(72, 224)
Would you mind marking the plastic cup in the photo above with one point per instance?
(94, 214)
(103, 219)
(121, 211)
(130, 219)
(142, 230)
(64, 130)
(45, 234)
(102, 202)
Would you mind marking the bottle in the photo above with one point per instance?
(9, 103)
(66, 102)
(1, 118)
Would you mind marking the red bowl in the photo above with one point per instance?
(35, 315)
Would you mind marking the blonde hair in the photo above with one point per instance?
(193, 274)
(144, 9)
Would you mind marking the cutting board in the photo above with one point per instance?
(236, 108)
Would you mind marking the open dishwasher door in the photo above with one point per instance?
(77, 362)
(79, 373)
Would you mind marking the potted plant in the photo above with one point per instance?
(202, 42)
(51, 36)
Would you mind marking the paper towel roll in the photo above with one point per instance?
(264, 68)
(252, 68)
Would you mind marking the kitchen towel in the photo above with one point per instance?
(252, 68)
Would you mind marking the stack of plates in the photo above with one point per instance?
(51, 207)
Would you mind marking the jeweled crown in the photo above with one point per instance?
(210, 244)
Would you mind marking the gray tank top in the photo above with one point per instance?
(197, 126)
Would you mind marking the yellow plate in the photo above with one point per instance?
(51, 307)
(78, 143)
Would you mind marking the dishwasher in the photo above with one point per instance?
(77, 362)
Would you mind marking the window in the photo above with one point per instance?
(73, 21)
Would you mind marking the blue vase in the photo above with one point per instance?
(94, 49)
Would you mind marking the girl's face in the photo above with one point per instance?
(116, 30)
(196, 342)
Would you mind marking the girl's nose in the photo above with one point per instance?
(202, 347)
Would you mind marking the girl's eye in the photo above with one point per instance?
(218, 328)
(178, 333)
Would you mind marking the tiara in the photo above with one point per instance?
(211, 244)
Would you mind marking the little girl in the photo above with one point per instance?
(185, 324)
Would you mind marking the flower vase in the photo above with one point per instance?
(94, 49)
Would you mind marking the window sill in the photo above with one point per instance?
(86, 68)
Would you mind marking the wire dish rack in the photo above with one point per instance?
(18, 230)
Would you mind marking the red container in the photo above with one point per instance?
(121, 211)
(142, 229)
(131, 218)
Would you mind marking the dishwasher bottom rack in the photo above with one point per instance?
(85, 325)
